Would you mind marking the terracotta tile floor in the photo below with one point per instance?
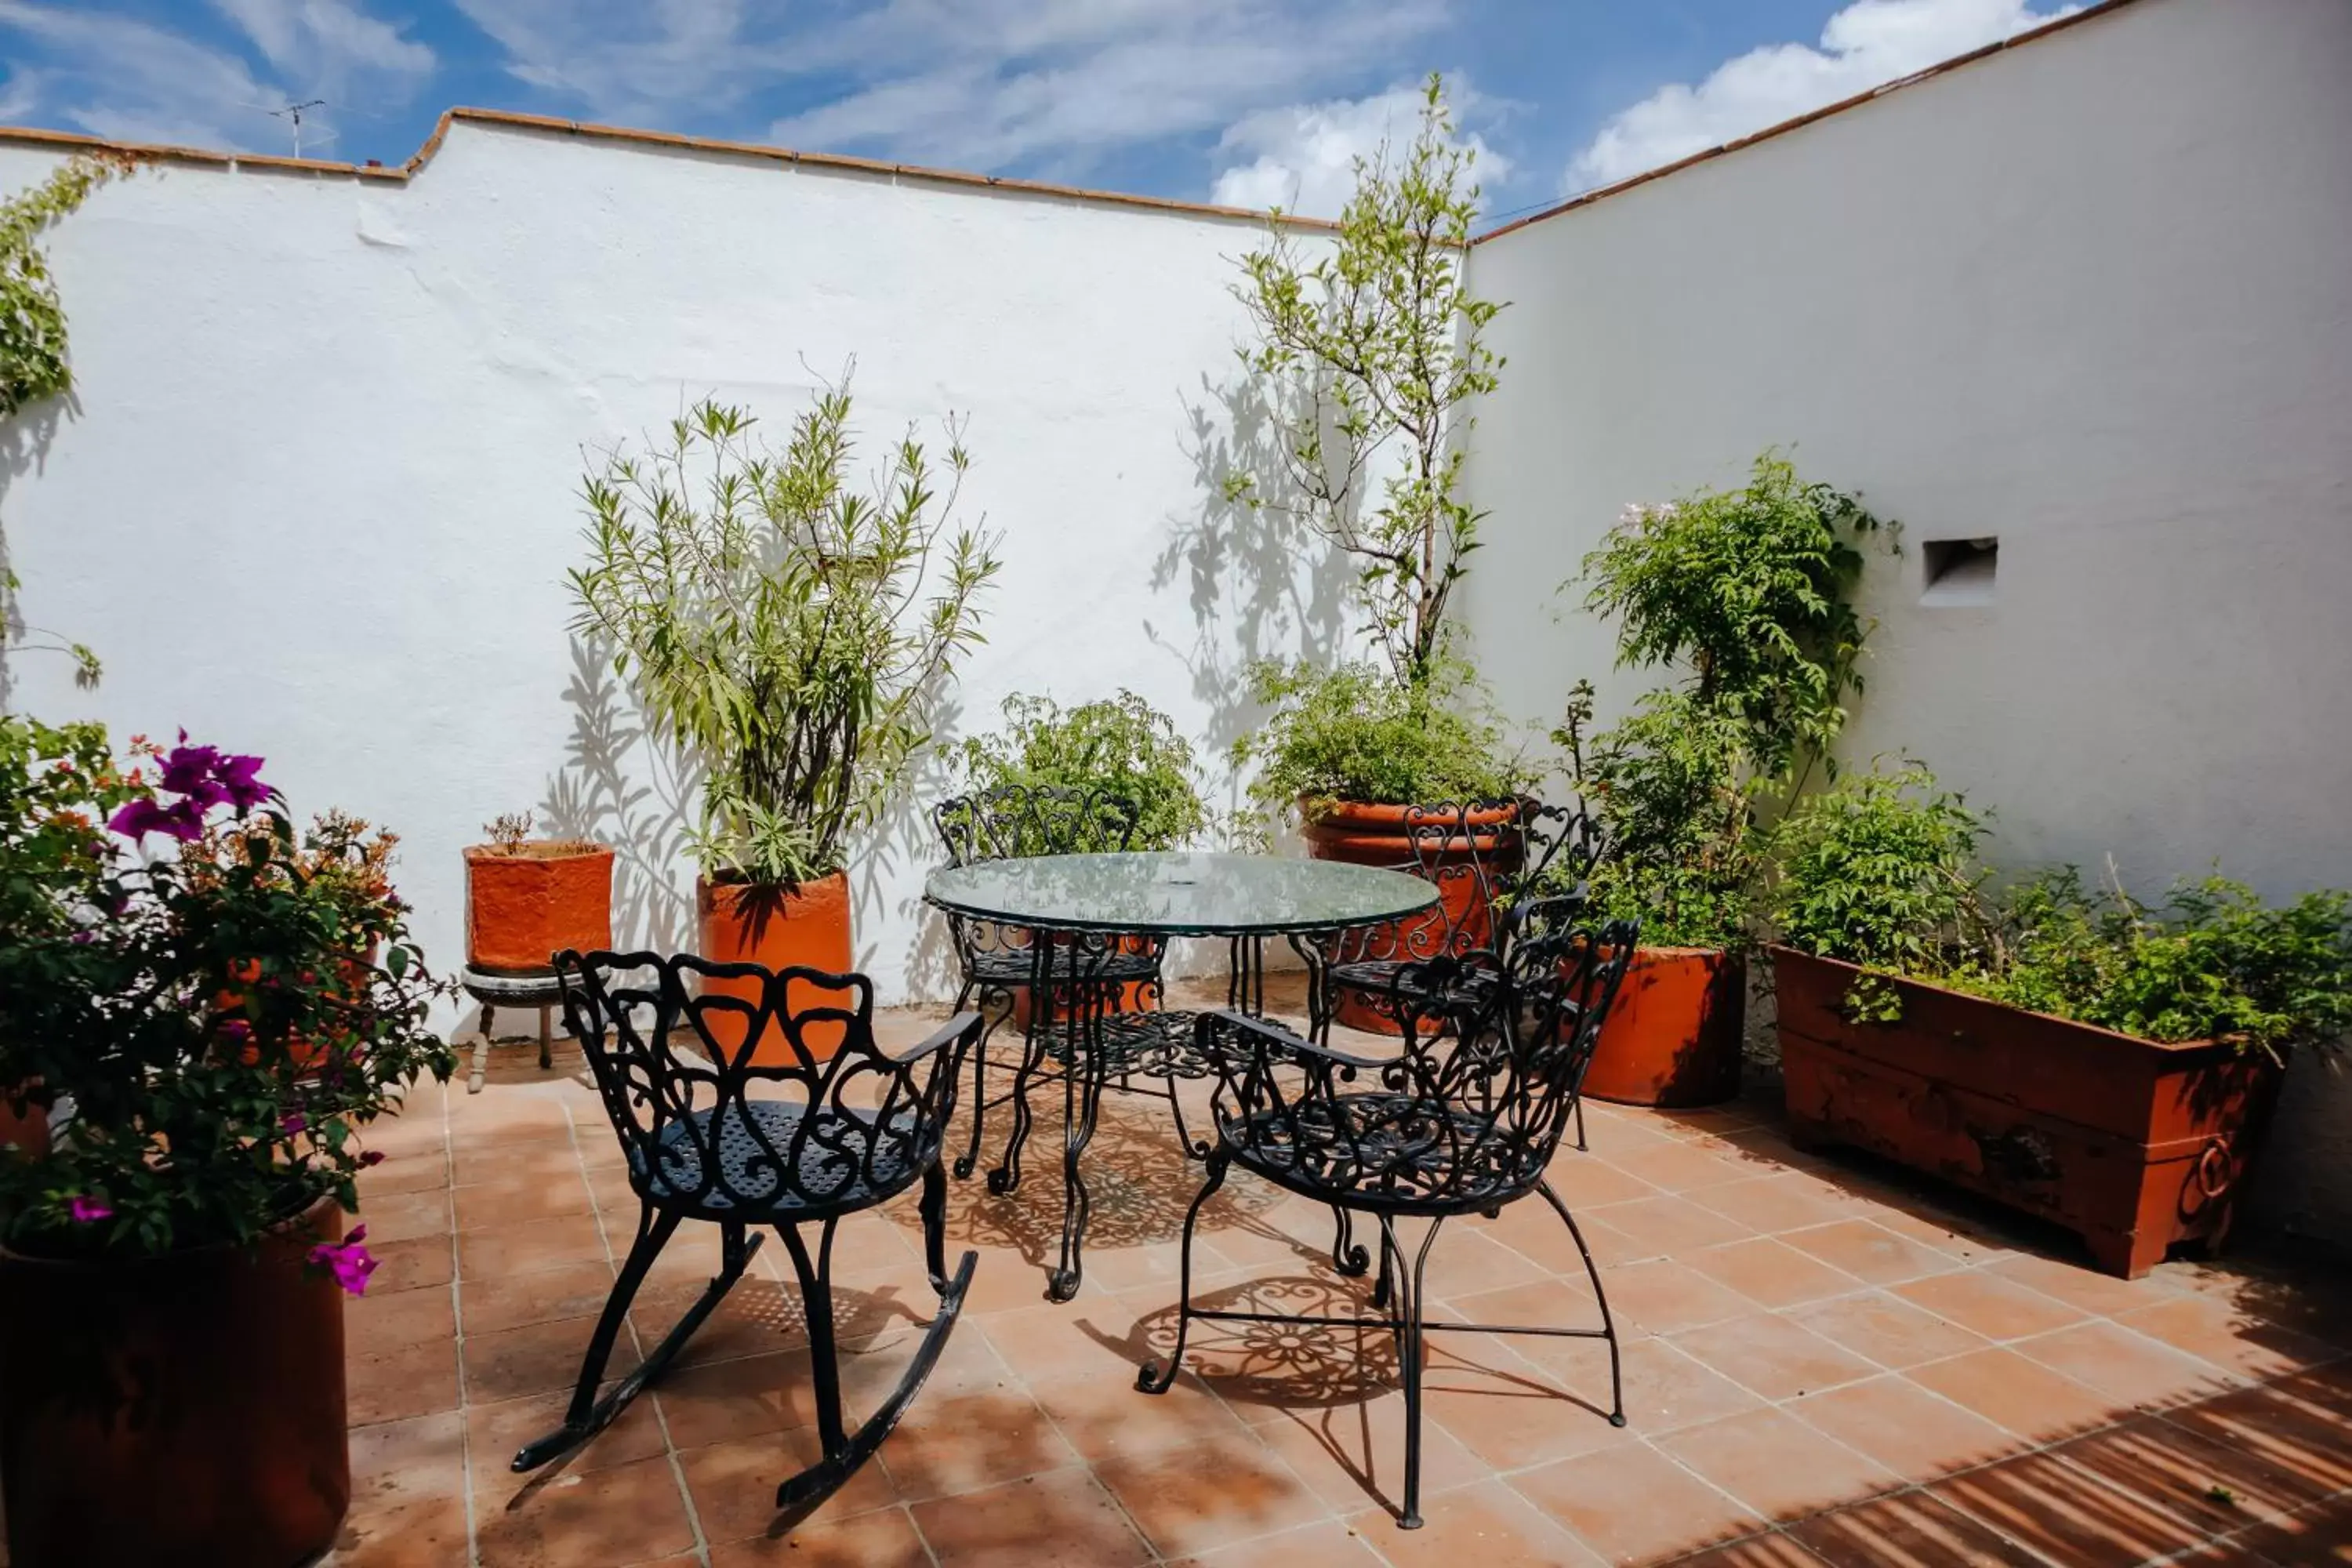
(1825, 1362)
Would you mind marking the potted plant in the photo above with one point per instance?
(790, 634)
(1122, 746)
(1675, 802)
(1748, 593)
(2107, 1064)
(529, 898)
(171, 1269)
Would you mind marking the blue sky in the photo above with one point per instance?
(1248, 100)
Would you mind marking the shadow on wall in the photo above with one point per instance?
(620, 786)
(24, 447)
(1261, 583)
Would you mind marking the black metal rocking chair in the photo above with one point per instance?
(1462, 1122)
(1012, 822)
(844, 1126)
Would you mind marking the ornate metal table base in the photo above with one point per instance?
(1110, 1050)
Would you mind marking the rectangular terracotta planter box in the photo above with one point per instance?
(2133, 1145)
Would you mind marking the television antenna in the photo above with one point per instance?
(293, 113)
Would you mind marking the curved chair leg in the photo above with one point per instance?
(846, 1452)
(588, 1414)
(1006, 1177)
(968, 1160)
(1581, 1146)
(1608, 1324)
(1083, 1082)
(1384, 1287)
(1347, 1256)
(1411, 1350)
(1152, 1378)
(934, 1213)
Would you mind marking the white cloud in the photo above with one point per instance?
(1048, 87)
(113, 75)
(1869, 43)
(1303, 158)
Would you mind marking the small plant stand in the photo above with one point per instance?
(544, 992)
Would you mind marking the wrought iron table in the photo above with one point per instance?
(1079, 906)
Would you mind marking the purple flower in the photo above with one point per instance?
(293, 1123)
(82, 938)
(239, 779)
(184, 820)
(372, 1157)
(89, 1211)
(189, 770)
(347, 1260)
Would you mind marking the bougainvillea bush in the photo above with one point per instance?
(210, 1006)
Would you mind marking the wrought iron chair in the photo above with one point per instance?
(1459, 1123)
(1468, 863)
(842, 1125)
(1560, 847)
(996, 961)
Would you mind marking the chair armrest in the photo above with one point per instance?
(963, 1024)
(1264, 1035)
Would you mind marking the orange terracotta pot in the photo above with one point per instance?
(1672, 1036)
(29, 1131)
(180, 1409)
(1363, 834)
(526, 905)
(775, 928)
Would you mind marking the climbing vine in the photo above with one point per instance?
(33, 364)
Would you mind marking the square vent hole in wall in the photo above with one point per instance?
(1960, 571)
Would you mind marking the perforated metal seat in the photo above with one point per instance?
(838, 1163)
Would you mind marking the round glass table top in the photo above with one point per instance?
(1178, 893)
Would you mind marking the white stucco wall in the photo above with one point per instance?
(321, 493)
(2091, 297)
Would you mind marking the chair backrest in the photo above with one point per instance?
(864, 1115)
(1467, 850)
(1502, 1040)
(1014, 821)
(1560, 846)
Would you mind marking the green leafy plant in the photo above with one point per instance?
(1751, 590)
(34, 366)
(1353, 733)
(1375, 348)
(2212, 962)
(211, 1028)
(1670, 789)
(1121, 744)
(1881, 870)
(787, 630)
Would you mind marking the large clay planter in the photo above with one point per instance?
(29, 1131)
(776, 928)
(525, 905)
(1361, 834)
(183, 1409)
(2134, 1144)
(1673, 1034)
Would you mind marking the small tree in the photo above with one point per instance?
(788, 631)
(1376, 347)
